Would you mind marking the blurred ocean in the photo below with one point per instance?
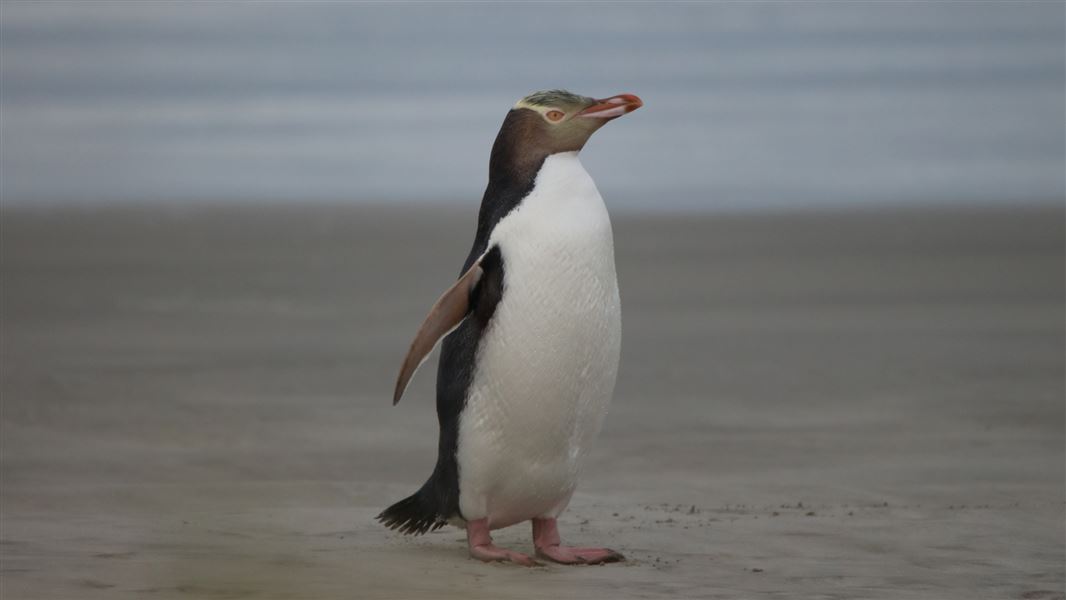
(747, 104)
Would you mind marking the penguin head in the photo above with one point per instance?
(565, 120)
(553, 121)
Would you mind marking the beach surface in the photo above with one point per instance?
(196, 403)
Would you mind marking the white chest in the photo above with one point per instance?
(548, 361)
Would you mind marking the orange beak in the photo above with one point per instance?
(613, 107)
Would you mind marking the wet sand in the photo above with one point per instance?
(196, 404)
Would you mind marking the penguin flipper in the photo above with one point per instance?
(446, 314)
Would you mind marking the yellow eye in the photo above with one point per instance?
(555, 115)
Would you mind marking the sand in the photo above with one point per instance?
(196, 404)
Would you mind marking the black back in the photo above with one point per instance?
(513, 169)
(510, 180)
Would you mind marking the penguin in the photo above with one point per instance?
(531, 339)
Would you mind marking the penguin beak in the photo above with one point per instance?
(613, 107)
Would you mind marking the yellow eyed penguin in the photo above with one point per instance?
(533, 330)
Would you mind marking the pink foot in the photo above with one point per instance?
(546, 540)
(482, 548)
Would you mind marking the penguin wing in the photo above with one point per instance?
(446, 314)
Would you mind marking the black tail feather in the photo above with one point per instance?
(414, 515)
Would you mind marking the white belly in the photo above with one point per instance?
(548, 360)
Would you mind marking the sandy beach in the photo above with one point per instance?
(196, 404)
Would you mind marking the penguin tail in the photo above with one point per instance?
(414, 515)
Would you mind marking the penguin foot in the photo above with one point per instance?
(482, 548)
(547, 542)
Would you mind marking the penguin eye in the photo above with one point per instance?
(555, 115)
